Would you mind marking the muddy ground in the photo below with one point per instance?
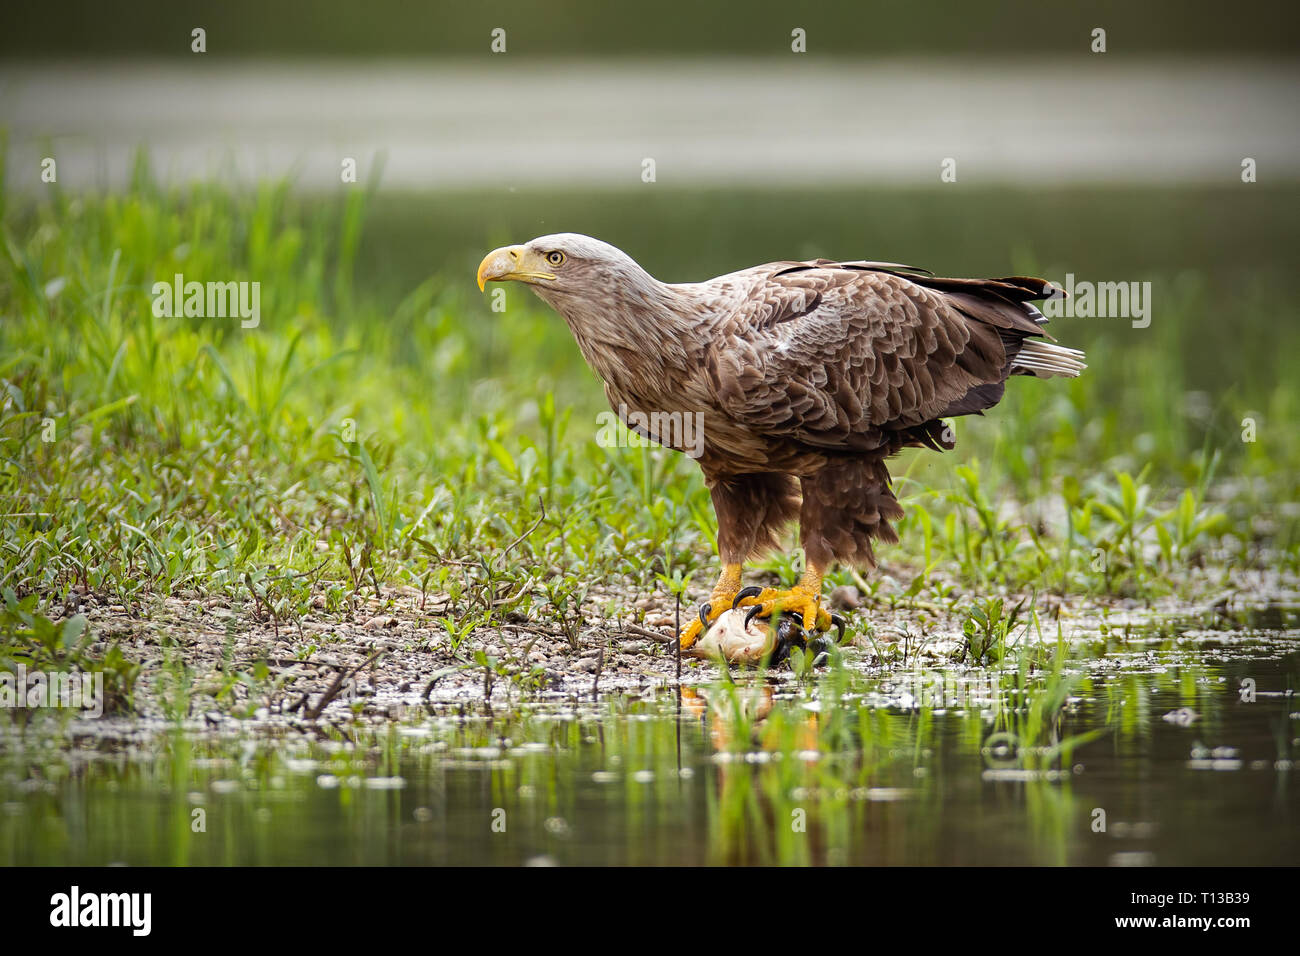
(387, 654)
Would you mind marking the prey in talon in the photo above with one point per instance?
(741, 636)
(791, 384)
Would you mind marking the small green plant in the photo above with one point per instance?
(30, 639)
(986, 630)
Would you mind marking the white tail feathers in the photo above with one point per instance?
(1044, 359)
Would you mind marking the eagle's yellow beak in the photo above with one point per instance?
(512, 262)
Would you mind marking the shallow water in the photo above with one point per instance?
(858, 765)
(423, 123)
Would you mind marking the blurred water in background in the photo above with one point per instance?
(789, 120)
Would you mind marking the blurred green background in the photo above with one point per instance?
(675, 27)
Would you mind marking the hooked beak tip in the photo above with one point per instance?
(482, 276)
(495, 266)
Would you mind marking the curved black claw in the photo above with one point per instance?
(705, 608)
(746, 592)
(840, 624)
(752, 613)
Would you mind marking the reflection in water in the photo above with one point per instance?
(1135, 756)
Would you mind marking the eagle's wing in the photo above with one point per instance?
(838, 355)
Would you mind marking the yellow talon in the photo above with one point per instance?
(719, 601)
(690, 634)
(797, 601)
(803, 599)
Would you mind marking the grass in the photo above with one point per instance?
(363, 439)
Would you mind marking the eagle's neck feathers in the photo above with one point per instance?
(640, 335)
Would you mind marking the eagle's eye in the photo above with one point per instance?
(555, 257)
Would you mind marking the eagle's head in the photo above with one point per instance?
(613, 307)
(562, 265)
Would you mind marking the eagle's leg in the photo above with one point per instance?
(724, 592)
(846, 505)
(751, 509)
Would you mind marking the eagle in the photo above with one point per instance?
(804, 377)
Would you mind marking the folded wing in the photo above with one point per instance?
(859, 356)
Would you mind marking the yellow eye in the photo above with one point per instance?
(555, 258)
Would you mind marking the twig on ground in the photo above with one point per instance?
(540, 518)
(343, 676)
(640, 631)
(677, 645)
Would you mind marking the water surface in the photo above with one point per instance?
(1177, 759)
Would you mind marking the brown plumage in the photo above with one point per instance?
(806, 377)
